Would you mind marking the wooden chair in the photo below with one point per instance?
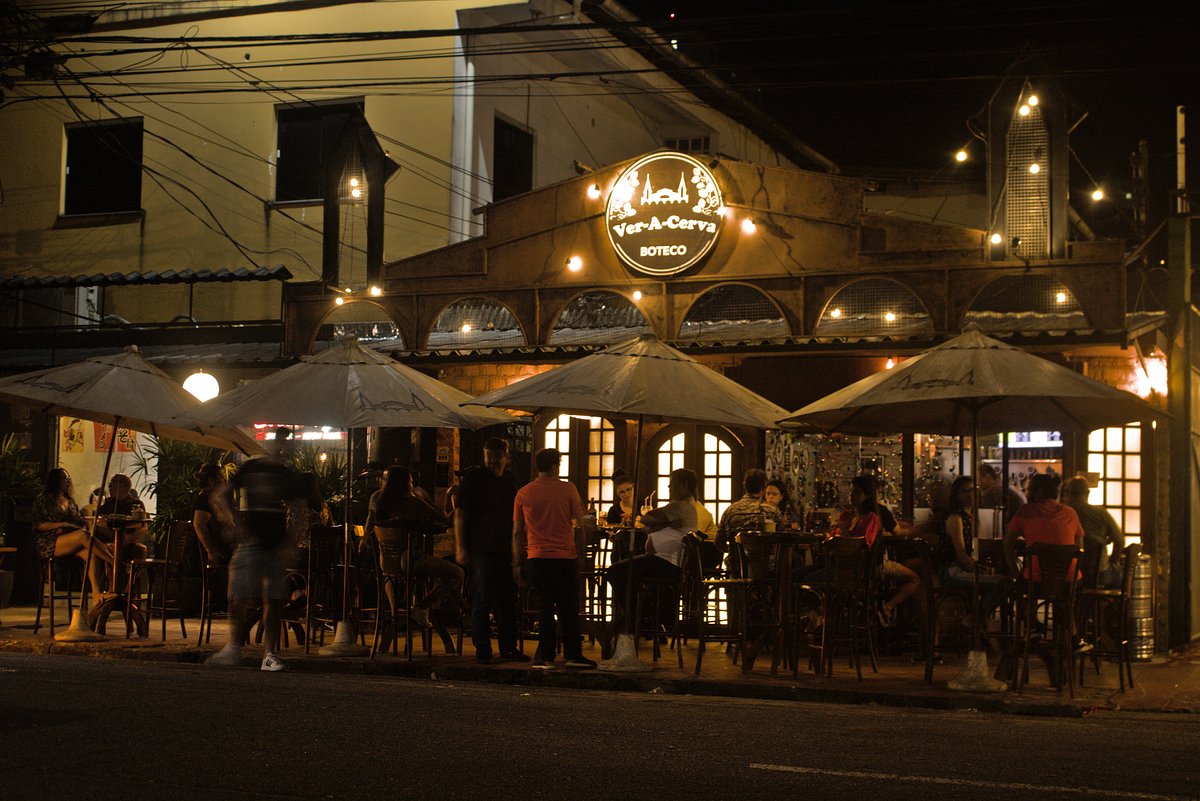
(696, 594)
(170, 565)
(47, 594)
(1097, 605)
(394, 573)
(1056, 568)
(845, 592)
(209, 572)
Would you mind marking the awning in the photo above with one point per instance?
(278, 273)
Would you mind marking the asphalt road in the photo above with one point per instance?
(101, 729)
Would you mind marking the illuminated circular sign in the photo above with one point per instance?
(664, 213)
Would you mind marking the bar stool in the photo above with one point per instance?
(48, 595)
(1053, 575)
(1097, 605)
(169, 566)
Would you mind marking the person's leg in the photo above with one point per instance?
(541, 580)
(447, 579)
(908, 584)
(504, 602)
(567, 606)
(482, 576)
(75, 543)
(275, 594)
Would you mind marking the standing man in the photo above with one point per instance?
(543, 548)
(259, 491)
(483, 543)
(1099, 530)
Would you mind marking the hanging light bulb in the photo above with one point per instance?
(1035, 168)
(1032, 100)
(1097, 194)
(574, 264)
(593, 191)
(889, 316)
(637, 295)
(1023, 110)
(339, 300)
(749, 226)
(836, 314)
(376, 291)
(960, 156)
(202, 386)
(997, 239)
(890, 363)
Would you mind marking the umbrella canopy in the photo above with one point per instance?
(348, 386)
(122, 389)
(640, 378)
(972, 380)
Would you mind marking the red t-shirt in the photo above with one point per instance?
(549, 507)
(1049, 522)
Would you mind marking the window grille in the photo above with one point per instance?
(307, 136)
(598, 318)
(734, 312)
(1026, 303)
(690, 144)
(473, 323)
(558, 436)
(873, 307)
(361, 319)
(1027, 193)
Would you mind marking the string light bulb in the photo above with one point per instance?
(836, 314)
(1032, 100)
(574, 264)
(749, 226)
(466, 328)
(339, 300)
(637, 295)
(1035, 168)
(1060, 297)
(1023, 110)
(960, 156)
(997, 239)
(376, 291)
(593, 191)
(1097, 194)
(889, 317)
(890, 363)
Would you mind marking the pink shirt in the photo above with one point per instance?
(548, 507)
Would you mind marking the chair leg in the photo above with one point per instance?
(37, 620)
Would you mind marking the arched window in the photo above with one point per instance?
(598, 318)
(1025, 303)
(588, 446)
(713, 453)
(733, 312)
(360, 318)
(473, 323)
(873, 307)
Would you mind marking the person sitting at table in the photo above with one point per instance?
(1042, 519)
(396, 506)
(955, 549)
(212, 519)
(621, 513)
(121, 501)
(61, 531)
(863, 519)
(666, 527)
(776, 494)
(750, 512)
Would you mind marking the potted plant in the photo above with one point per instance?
(19, 485)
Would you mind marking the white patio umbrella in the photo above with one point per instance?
(970, 385)
(348, 386)
(646, 380)
(125, 391)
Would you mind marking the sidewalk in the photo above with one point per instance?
(1167, 684)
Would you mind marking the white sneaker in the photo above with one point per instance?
(272, 664)
(229, 656)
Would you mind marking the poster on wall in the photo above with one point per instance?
(126, 439)
(71, 435)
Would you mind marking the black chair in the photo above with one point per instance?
(47, 594)
(1105, 616)
(393, 585)
(209, 572)
(845, 591)
(169, 566)
(696, 613)
(322, 582)
(1056, 568)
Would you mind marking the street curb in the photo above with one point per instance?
(580, 680)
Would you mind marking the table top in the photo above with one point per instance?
(7, 549)
(783, 536)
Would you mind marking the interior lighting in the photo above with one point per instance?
(1023, 110)
(1060, 297)
(323, 456)
(749, 226)
(836, 314)
(890, 363)
(339, 300)
(960, 156)
(202, 386)
(1097, 194)
(637, 295)
(593, 191)
(574, 264)
(889, 316)
(997, 239)
(1035, 168)
(466, 328)
(349, 291)
(1032, 100)
(376, 291)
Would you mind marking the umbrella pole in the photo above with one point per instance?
(625, 658)
(976, 676)
(80, 629)
(344, 643)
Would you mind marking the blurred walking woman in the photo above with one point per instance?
(61, 530)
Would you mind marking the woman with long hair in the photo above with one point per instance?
(212, 519)
(866, 521)
(621, 513)
(60, 528)
(776, 494)
(958, 561)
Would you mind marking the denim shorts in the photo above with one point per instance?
(257, 572)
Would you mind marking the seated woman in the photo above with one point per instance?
(621, 513)
(122, 501)
(776, 494)
(396, 506)
(212, 519)
(61, 530)
(956, 548)
(864, 519)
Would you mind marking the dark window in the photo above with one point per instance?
(689, 144)
(104, 167)
(308, 135)
(512, 160)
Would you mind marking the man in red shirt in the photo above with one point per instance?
(544, 515)
(1042, 519)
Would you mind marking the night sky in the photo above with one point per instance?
(892, 84)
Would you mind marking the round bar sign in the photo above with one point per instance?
(664, 213)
